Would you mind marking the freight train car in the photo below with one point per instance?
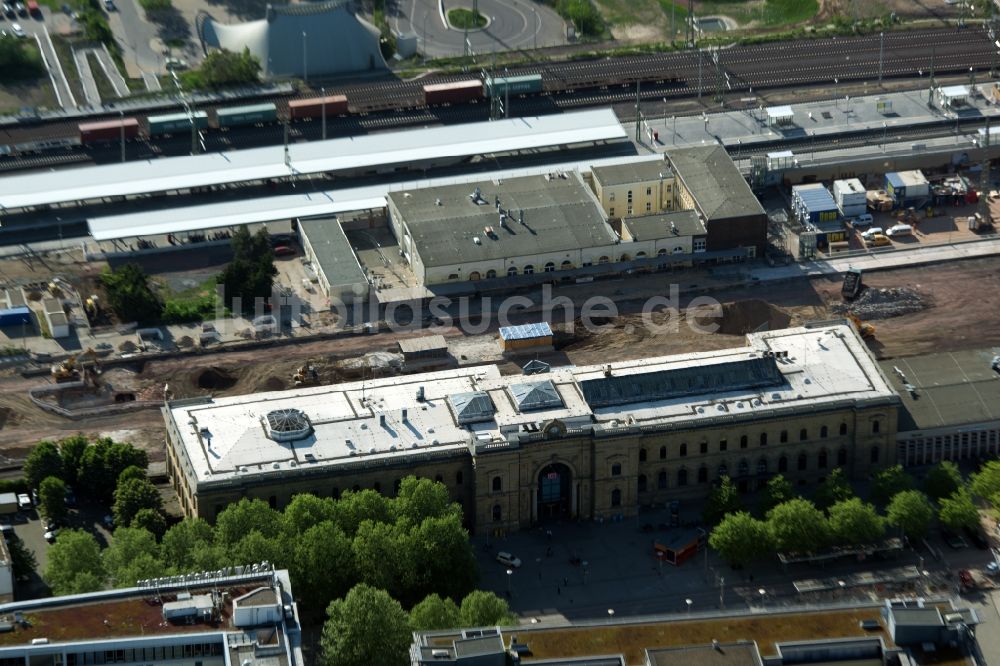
(499, 86)
(240, 116)
(108, 130)
(177, 122)
(333, 105)
(456, 92)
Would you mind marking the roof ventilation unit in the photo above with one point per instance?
(287, 425)
(476, 240)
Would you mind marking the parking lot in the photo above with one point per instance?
(35, 27)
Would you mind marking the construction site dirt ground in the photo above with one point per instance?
(962, 311)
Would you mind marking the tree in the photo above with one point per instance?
(255, 547)
(250, 274)
(22, 560)
(132, 556)
(306, 511)
(418, 499)
(986, 482)
(484, 609)
(131, 472)
(959, 511)
(103, 462)
(182, 544)
(131, 497)
(19, 60)
(797, 526)
(74, 564)
(322, 566)
(224, 68)
(740, 538)
(52, 498)
(835, 488)
(42, 462)
(889, 482)
(434, 613)
(443, 560)
(239, 519)
(724, 499)
(778, 491)
(71, 450)
(942, 480)
(853, 522)
(353, 508)
(911, 512)
(583, 15)
(365, 627)
(150, 520)
(382, 559)
(130, 295)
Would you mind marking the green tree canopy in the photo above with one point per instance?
(942, 480)
(797, 526)
(132, 555)
(434, 613)
(52, 498)
(835, 488)
(377, 548)
(484, 609)
(852, 522)
(986, 482)
(19, 60)
(131, 472)
(74, 564)
(181, 542)
(355, 507)
(422, 498)
(130, 295)
(22, 560)
(583, 15)
(911, 512)
(740, 538)
(722, 500)
(132, 496)
(250, 274)
(71, 450)
(959, 511)
(102, 463)
(888, 482)
(239, 519)
(322, 566)
(224, 68)
(443, 558)
(366, 627)
(42, 462)
(306, 511)
(150, 520)
(778, 491)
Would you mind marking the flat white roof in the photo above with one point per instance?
(315, 204)
(358, 152)
(954, 91)
(365, 422)
(780, 112)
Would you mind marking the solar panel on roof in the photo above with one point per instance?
(679, 382)
(542, 395)
(526, 331)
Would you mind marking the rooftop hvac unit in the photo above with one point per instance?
(476, 240)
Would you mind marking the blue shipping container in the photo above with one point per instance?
(15, 316)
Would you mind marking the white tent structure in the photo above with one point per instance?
(302, 39)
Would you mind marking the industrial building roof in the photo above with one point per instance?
(526, 331)
(364, 423)
(729, 654)
(635, 172)
(335, 155)
(544, 215)
(715, 182)
(662, 225)
(951, 389)
(422, 344)
(284, 207)
(333, 251)
(815, 197)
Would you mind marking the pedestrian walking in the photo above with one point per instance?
(558, 590)
(565, 582)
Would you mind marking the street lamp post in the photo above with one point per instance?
(763, 597)
(322, 92)
(611, 614)
(510, 572)
(305, 58)
(689, 602)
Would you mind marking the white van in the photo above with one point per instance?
(899, 230)
(874, 231)
(863, 220)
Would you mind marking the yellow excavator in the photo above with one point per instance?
(306, 375)
(69, 370)
(864, 329)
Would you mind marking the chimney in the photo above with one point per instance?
(404, 416)
(381, 420)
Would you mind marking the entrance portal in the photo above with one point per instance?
(554, 492)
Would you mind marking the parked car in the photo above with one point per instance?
(878, 240)
(9, 11)
(283, 251)
(109, 5)
(953, 540)
(23, 501)
(993, 568)
(21, 9)
(18, 30)
(899, 230)
(508, 560)
(50, 535)
(868, 233)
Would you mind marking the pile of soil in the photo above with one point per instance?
(185, 341)
(215, 379)
(273, 384)
(742, 317)
(883, 303)
(127, 347)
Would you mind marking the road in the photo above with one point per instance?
(513, 24)
(36, 28)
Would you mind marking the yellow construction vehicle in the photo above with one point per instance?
(866, 331)
(69, 370)
(306, 375)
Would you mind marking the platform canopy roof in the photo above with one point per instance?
(954, 92)
(780, 112)
(332, 156)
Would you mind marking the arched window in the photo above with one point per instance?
(529, 269)
(662, 252)
(642, 483)
(763, 439)
(874, 454)
(744, 441)
(640, 255)
(475, 275)
(876, 426)
(684, 449)
(663, 453)
(616, 497)
(642, 455)
(821, 461)
(803, 462)
(762, 466)
(458, 478)
(744, 468)
(512, 271)
(624, 257)
(603, 259)
(843, 428)
(803, 435)
(682, 477)
(616, 469)
(842, 456)
(497, 484)
(702, 474)
(782, 464)
(497, 513)
(784, 436)
(490, 274)
(722, 471)
(823, 432)
(661, 479)
(550, 267)
(566, 265)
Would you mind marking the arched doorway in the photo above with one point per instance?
(555, 483)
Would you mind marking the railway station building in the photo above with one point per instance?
(589, 443)
(633, 189)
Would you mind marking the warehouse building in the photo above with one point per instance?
(340, 276)
(637, 188)
(592, 442)
(708, 182)
(488, 229)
